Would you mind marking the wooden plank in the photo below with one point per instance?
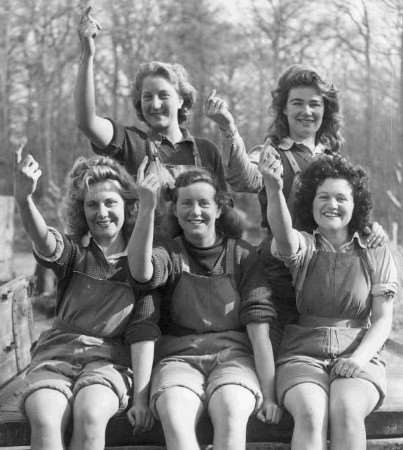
(16, 331)
(6, 237)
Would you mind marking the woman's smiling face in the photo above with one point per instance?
(333, 205)
(304, 110)
(160, 103)
(104, 210)
(197, 211)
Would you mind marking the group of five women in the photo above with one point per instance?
(153, 273)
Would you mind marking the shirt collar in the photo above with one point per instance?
(355, 239)
(160, 138)
(87, 240)
(287, 143)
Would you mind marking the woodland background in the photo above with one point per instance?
(238, 47)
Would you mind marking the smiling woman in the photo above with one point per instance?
(82, 362)
(329, 364)
(163, 98)
(104, 210)
(215, 349)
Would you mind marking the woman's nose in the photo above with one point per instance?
(156, 102)
(196, 209)
(102, 210)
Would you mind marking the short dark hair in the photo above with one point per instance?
(316, 173)
(300, 75)
(229, 223)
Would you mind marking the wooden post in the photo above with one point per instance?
(6, 237)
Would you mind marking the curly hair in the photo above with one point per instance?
(299, 75)
(229, 223)
(87, 172)
(176, 74)
(316, 173)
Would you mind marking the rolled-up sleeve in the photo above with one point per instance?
(385, 280)
(298, 262)
(143, 325)
(243, 174)
(256, 294)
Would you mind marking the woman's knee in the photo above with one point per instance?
(351, 401)
(232, 404)
(47, 410)
(178, 404)
(94, 406)
(308, 411)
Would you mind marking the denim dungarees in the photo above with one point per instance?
(84, 346)
(217, 350)
(334, 305)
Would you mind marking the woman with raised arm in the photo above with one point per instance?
(215, 353)
(163, 98)
(80, 366)
(329, 368)
(306, 123)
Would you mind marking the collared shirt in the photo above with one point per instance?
(384, 279)
(129, 146)
(242, 167)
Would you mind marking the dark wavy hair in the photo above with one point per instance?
(229, 223)
(87, 172)
(299, 75)
(177, 75)
(316, 173)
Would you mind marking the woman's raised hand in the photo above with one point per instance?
(217, 110)
(271, 168)
(26, 175)
(148, 186)
(88, 28)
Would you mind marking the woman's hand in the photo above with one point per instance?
(377, 236)
(217, 110)
(269, 412)
(88, 28)
(148, 186)
(26, 175)
(140, 416)
(271, 168)
(346, 367)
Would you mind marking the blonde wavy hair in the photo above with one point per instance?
(87, 172)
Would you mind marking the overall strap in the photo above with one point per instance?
(230, 256)
(151, 150)
(366, 263)
(295, 182)
(196, 154)
(293, 162)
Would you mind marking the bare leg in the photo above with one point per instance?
(93, 407)
(351, 400)
(308, 404)
(179, 410)
(230, 407)
(48, 412)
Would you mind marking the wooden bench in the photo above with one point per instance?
(384, 426)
